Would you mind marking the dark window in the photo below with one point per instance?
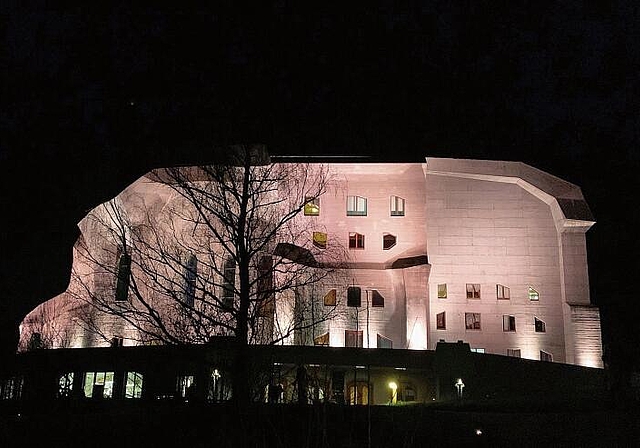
(312, 206)
(377, 299)
(472, 321)
(473, 290)
(353, 338)
(124, 272)
(117, 341)
(540, 326)
(544, 356)
(441, 321)
(384, 342)
(266, 304)
(356, 241)
(508, 323)
(354, 295)
(356, 206)
(502, 292)
(388, 241)
(330, 298)
(320, 240)
(513, 352)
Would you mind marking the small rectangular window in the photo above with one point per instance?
(356, 241)
(508, 323)
(133, 388)
(473, 290)
(397, 206)
(320, 240)
(65, 385)
(229, 282)
(124, 273)
(477, 350)
(330, 298)
(356, 206)
(533, 294)
(442, 291)
(117, 341)
(353, 338)
(544, 356)
(540, 326)
(514, 352)
(472, 321)
(323, 339)
(312, 206)
(354, 296)
(185, 385)
(377, 300)
(98, 385)
(441, 321)
(384, 342)
(503, 292)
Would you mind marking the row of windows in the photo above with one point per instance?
(354, 297)
(517, 353)
(472, 321)
(502, 292)
(356, 240)
(356, 206)
(353, 338)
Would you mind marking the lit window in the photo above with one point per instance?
(508, 323)
(354, 294)
(12, 388)
(514, 352)
(356, 206)
(229, 282)
(320, 240)
(353, 338)
(133, 388)
(358, 393)
(65, 385)
(544, 356)
(312, 206)
(397, 206)
(388, 241)
(190, 278)
(384, 342)
(472, 321)
(377, 300)
(503, 292)
(473, 290)
(476, 350)
(356, 241)
(185, 385)
(442, 291)
(122, 278)
(98, 385)
(323, 339)
(533, 294)
(441, 321)
(330, 298)
(540, 326)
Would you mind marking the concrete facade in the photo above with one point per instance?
(490, 253)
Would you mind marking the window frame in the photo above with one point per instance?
(359, 204)
(330, 298)
(546, 356)
(503, 292)
(394, 202)
(309, 204)
(539, 325)
(351, 303)
(533, 293)
(317, 242)
(441, 320)
(440, 296)
(358, 241)
(384, 241)
(357, 334)
(377, 302)
(514, 353)
(508, 323)
(475, 293)
(476, 324)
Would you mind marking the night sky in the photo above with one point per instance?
(93, 98)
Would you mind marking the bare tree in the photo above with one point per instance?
(46, 328)
(226, 251)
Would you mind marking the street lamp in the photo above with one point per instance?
(394, 392)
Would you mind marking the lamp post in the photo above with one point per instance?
(394, 392)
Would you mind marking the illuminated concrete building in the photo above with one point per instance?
(491, 253)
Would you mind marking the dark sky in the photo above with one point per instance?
(92, 98)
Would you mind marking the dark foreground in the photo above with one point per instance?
(171, 424)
